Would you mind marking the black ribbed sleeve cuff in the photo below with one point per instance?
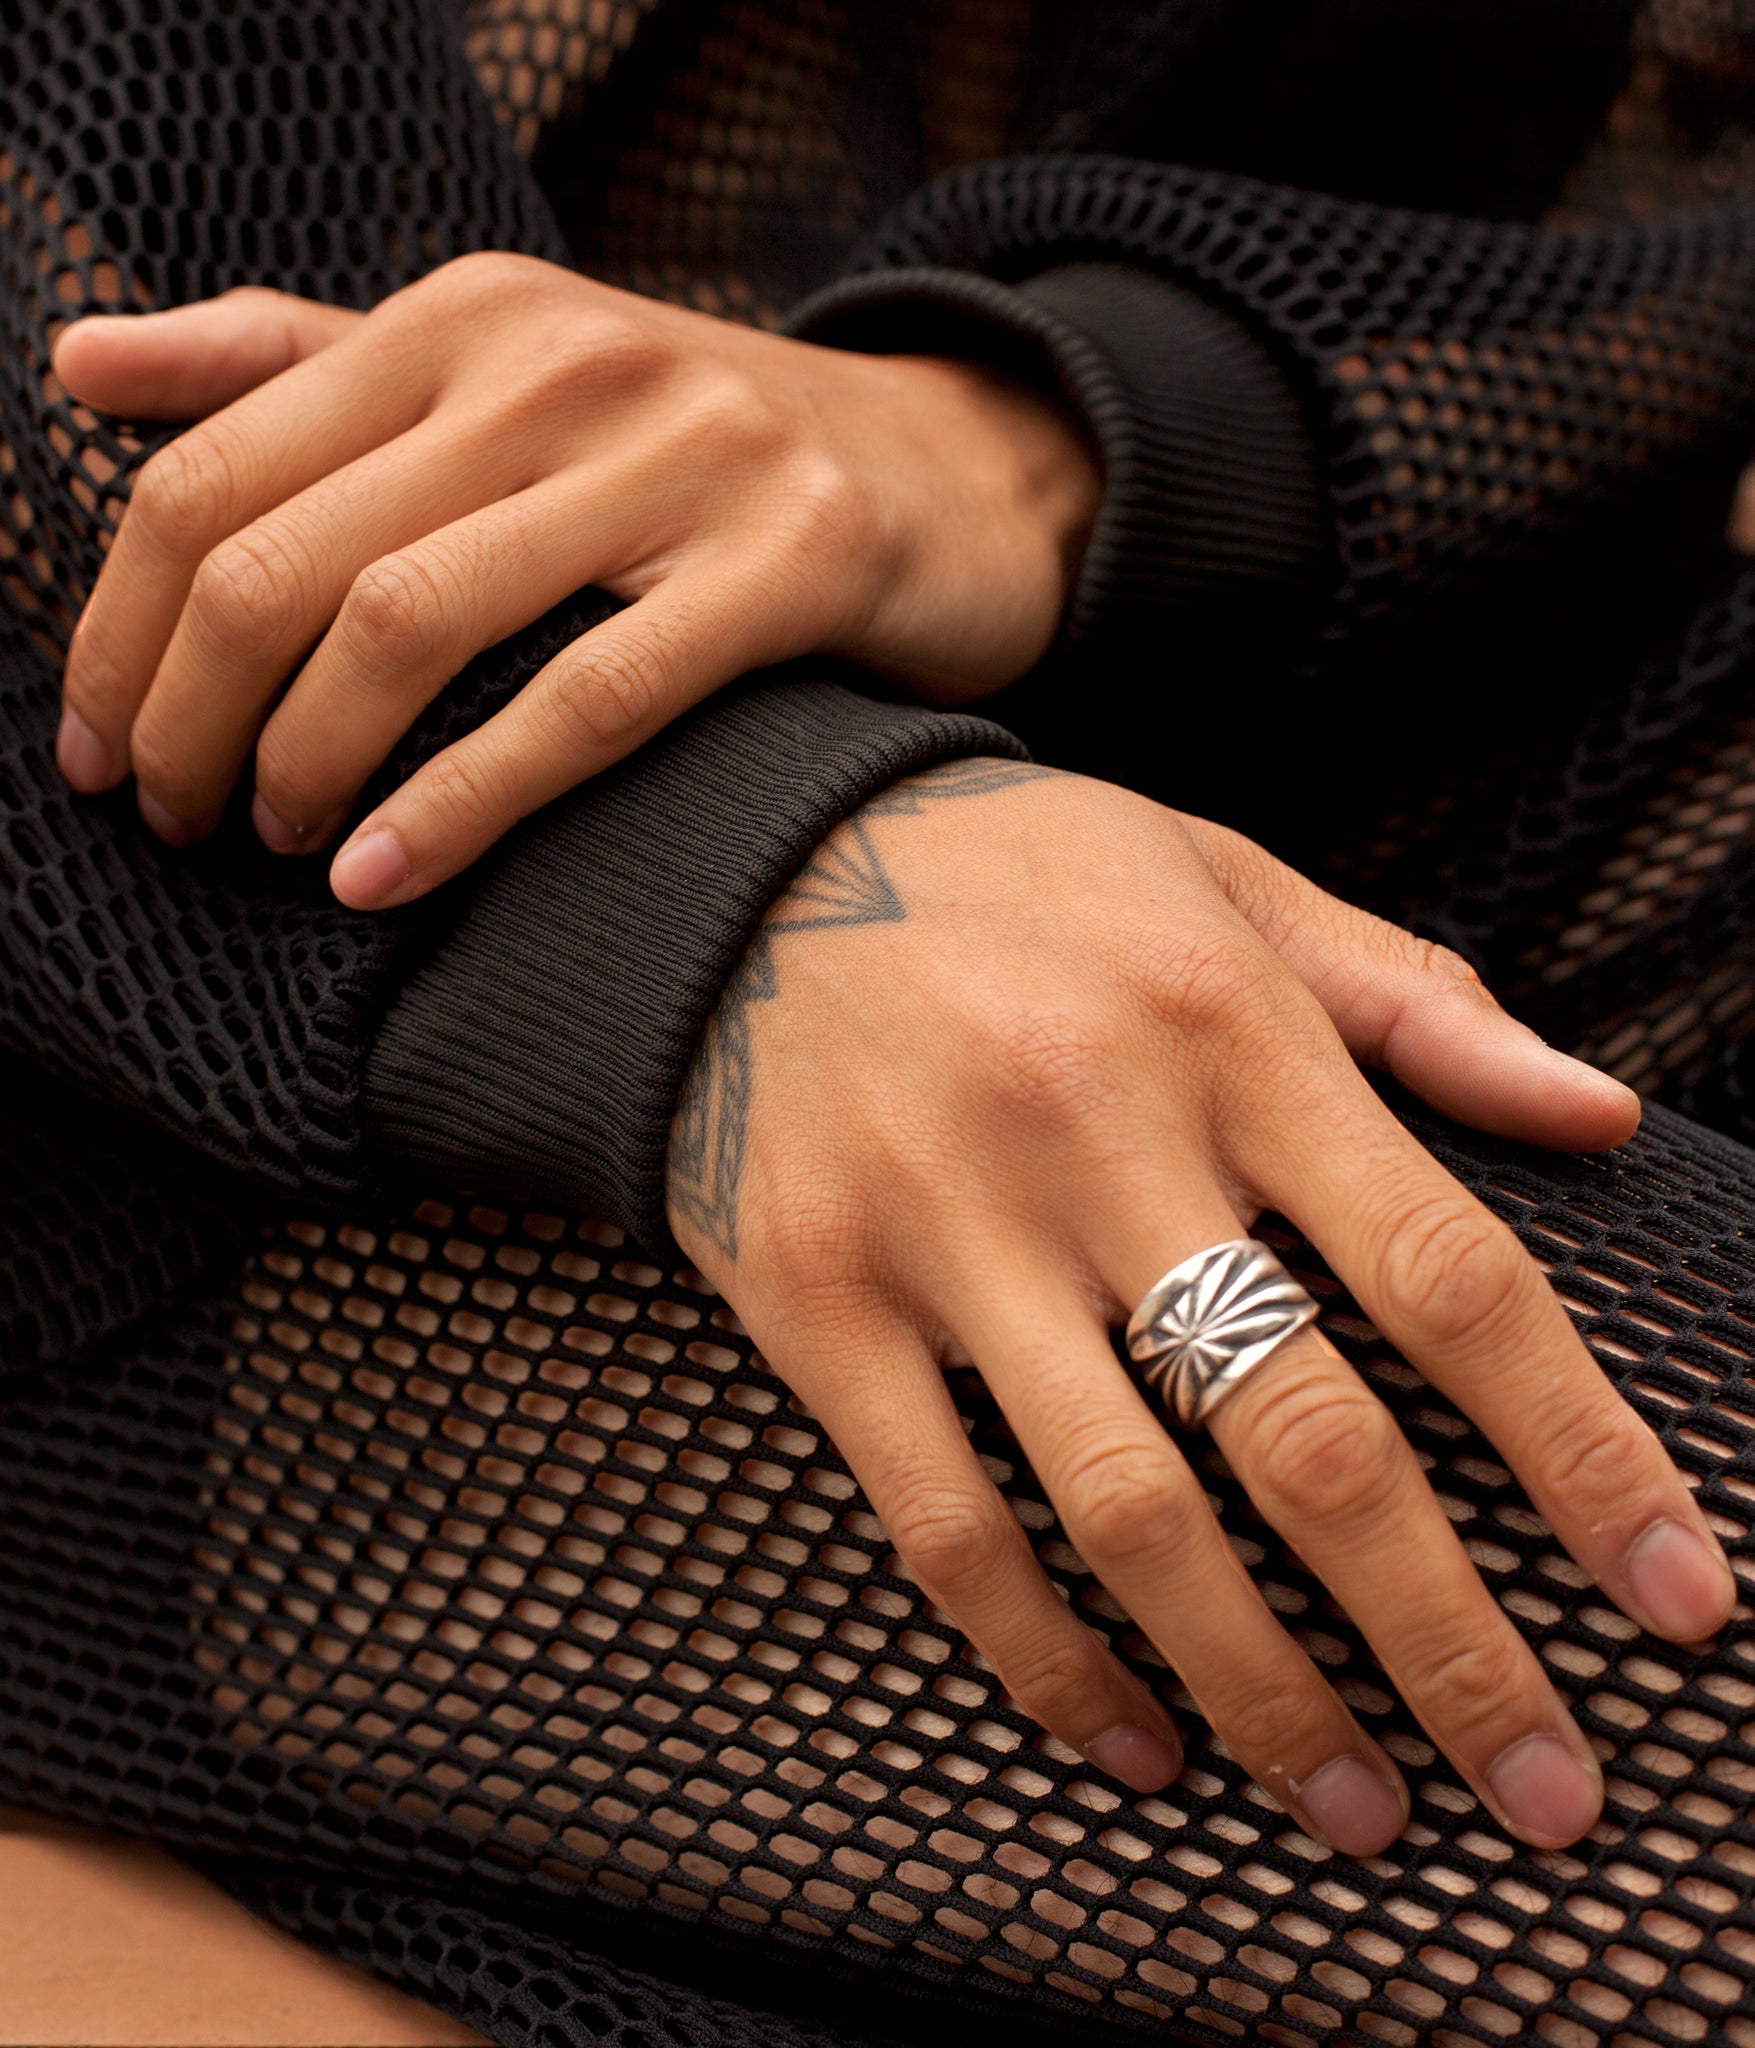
(1211, 518)
(541, 1047)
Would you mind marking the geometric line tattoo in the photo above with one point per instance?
(844, 883)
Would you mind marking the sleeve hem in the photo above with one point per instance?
(1211, 513)
(539, 1050)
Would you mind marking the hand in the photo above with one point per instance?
(1014, 1045)
(371, 499)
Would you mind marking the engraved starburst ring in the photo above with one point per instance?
(1212, 1320)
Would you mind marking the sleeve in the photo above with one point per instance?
(1317, 420)
(1320, 418)
(542, 1044)
(1210, 520)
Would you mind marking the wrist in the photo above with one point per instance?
(1041, 456)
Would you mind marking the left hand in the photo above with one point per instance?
(371, 499)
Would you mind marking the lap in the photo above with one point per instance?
(514, 1564)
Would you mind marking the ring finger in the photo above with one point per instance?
(1324, 1461)
(1140, 1517)
(885, 1404)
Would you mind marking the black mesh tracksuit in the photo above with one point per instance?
(441, 1567)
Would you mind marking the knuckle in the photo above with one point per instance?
(949, 1538)
(1448, 1269)
(1321, 1451)
(1269, 1722)
(819, 509)
(240, 586)
(461, 788)
(1440, 963)
(394, 612)
(1472, 1681)
(723, 406)
(1592, 1455)
(294, 773)
(1056, 1681)
(485, 274)
(810, 1241)
(611, 694)
(1217, 984)
(618, 348)
(1058, 1066)
(159, 764)
(1122, 1502)
(181, 495)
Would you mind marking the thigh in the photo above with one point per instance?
(104, 1940)
(512, 1567)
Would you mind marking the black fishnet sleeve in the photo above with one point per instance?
(154, 155)
(1210, 523)
(1414, 404)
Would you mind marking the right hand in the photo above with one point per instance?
(994, 1065)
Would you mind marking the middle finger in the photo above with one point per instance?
(1326, 1464)
(1140, 1518)
(261, 598)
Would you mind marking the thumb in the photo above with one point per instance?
(190, 361)
(1419, 1010)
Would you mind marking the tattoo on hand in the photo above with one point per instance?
(843, 883)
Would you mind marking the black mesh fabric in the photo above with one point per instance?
(468, 1577)
(458, 1583)
(1481, 386)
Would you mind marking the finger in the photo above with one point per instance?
(1141, 1520)
(594, 703)
(188, 361)
(1419, 1010)
(412, 620)
(263, 595)
(1324, 1462)
(204, 487)
(1453, 1289)
(885, 1405)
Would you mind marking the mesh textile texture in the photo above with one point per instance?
(462, 1583)
(473, 1556)
(1482, 385)
(150, 167)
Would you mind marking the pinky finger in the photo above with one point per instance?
(595, 703)
(892, 1418)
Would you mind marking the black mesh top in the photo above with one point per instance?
(437, 1560)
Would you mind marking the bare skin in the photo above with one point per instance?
(1014, 1045)
(371, 499)
(107, 1943)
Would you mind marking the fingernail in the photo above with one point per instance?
(369, 868)
(1685, 1589)
(1135, 1755)
(82, 757)
(174, 831)
(273, 830)
(1352, 1807)
(1544, 1792)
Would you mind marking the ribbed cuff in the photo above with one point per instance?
(1211, 516)
(540, 1049)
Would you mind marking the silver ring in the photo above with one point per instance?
(1211, 1321)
